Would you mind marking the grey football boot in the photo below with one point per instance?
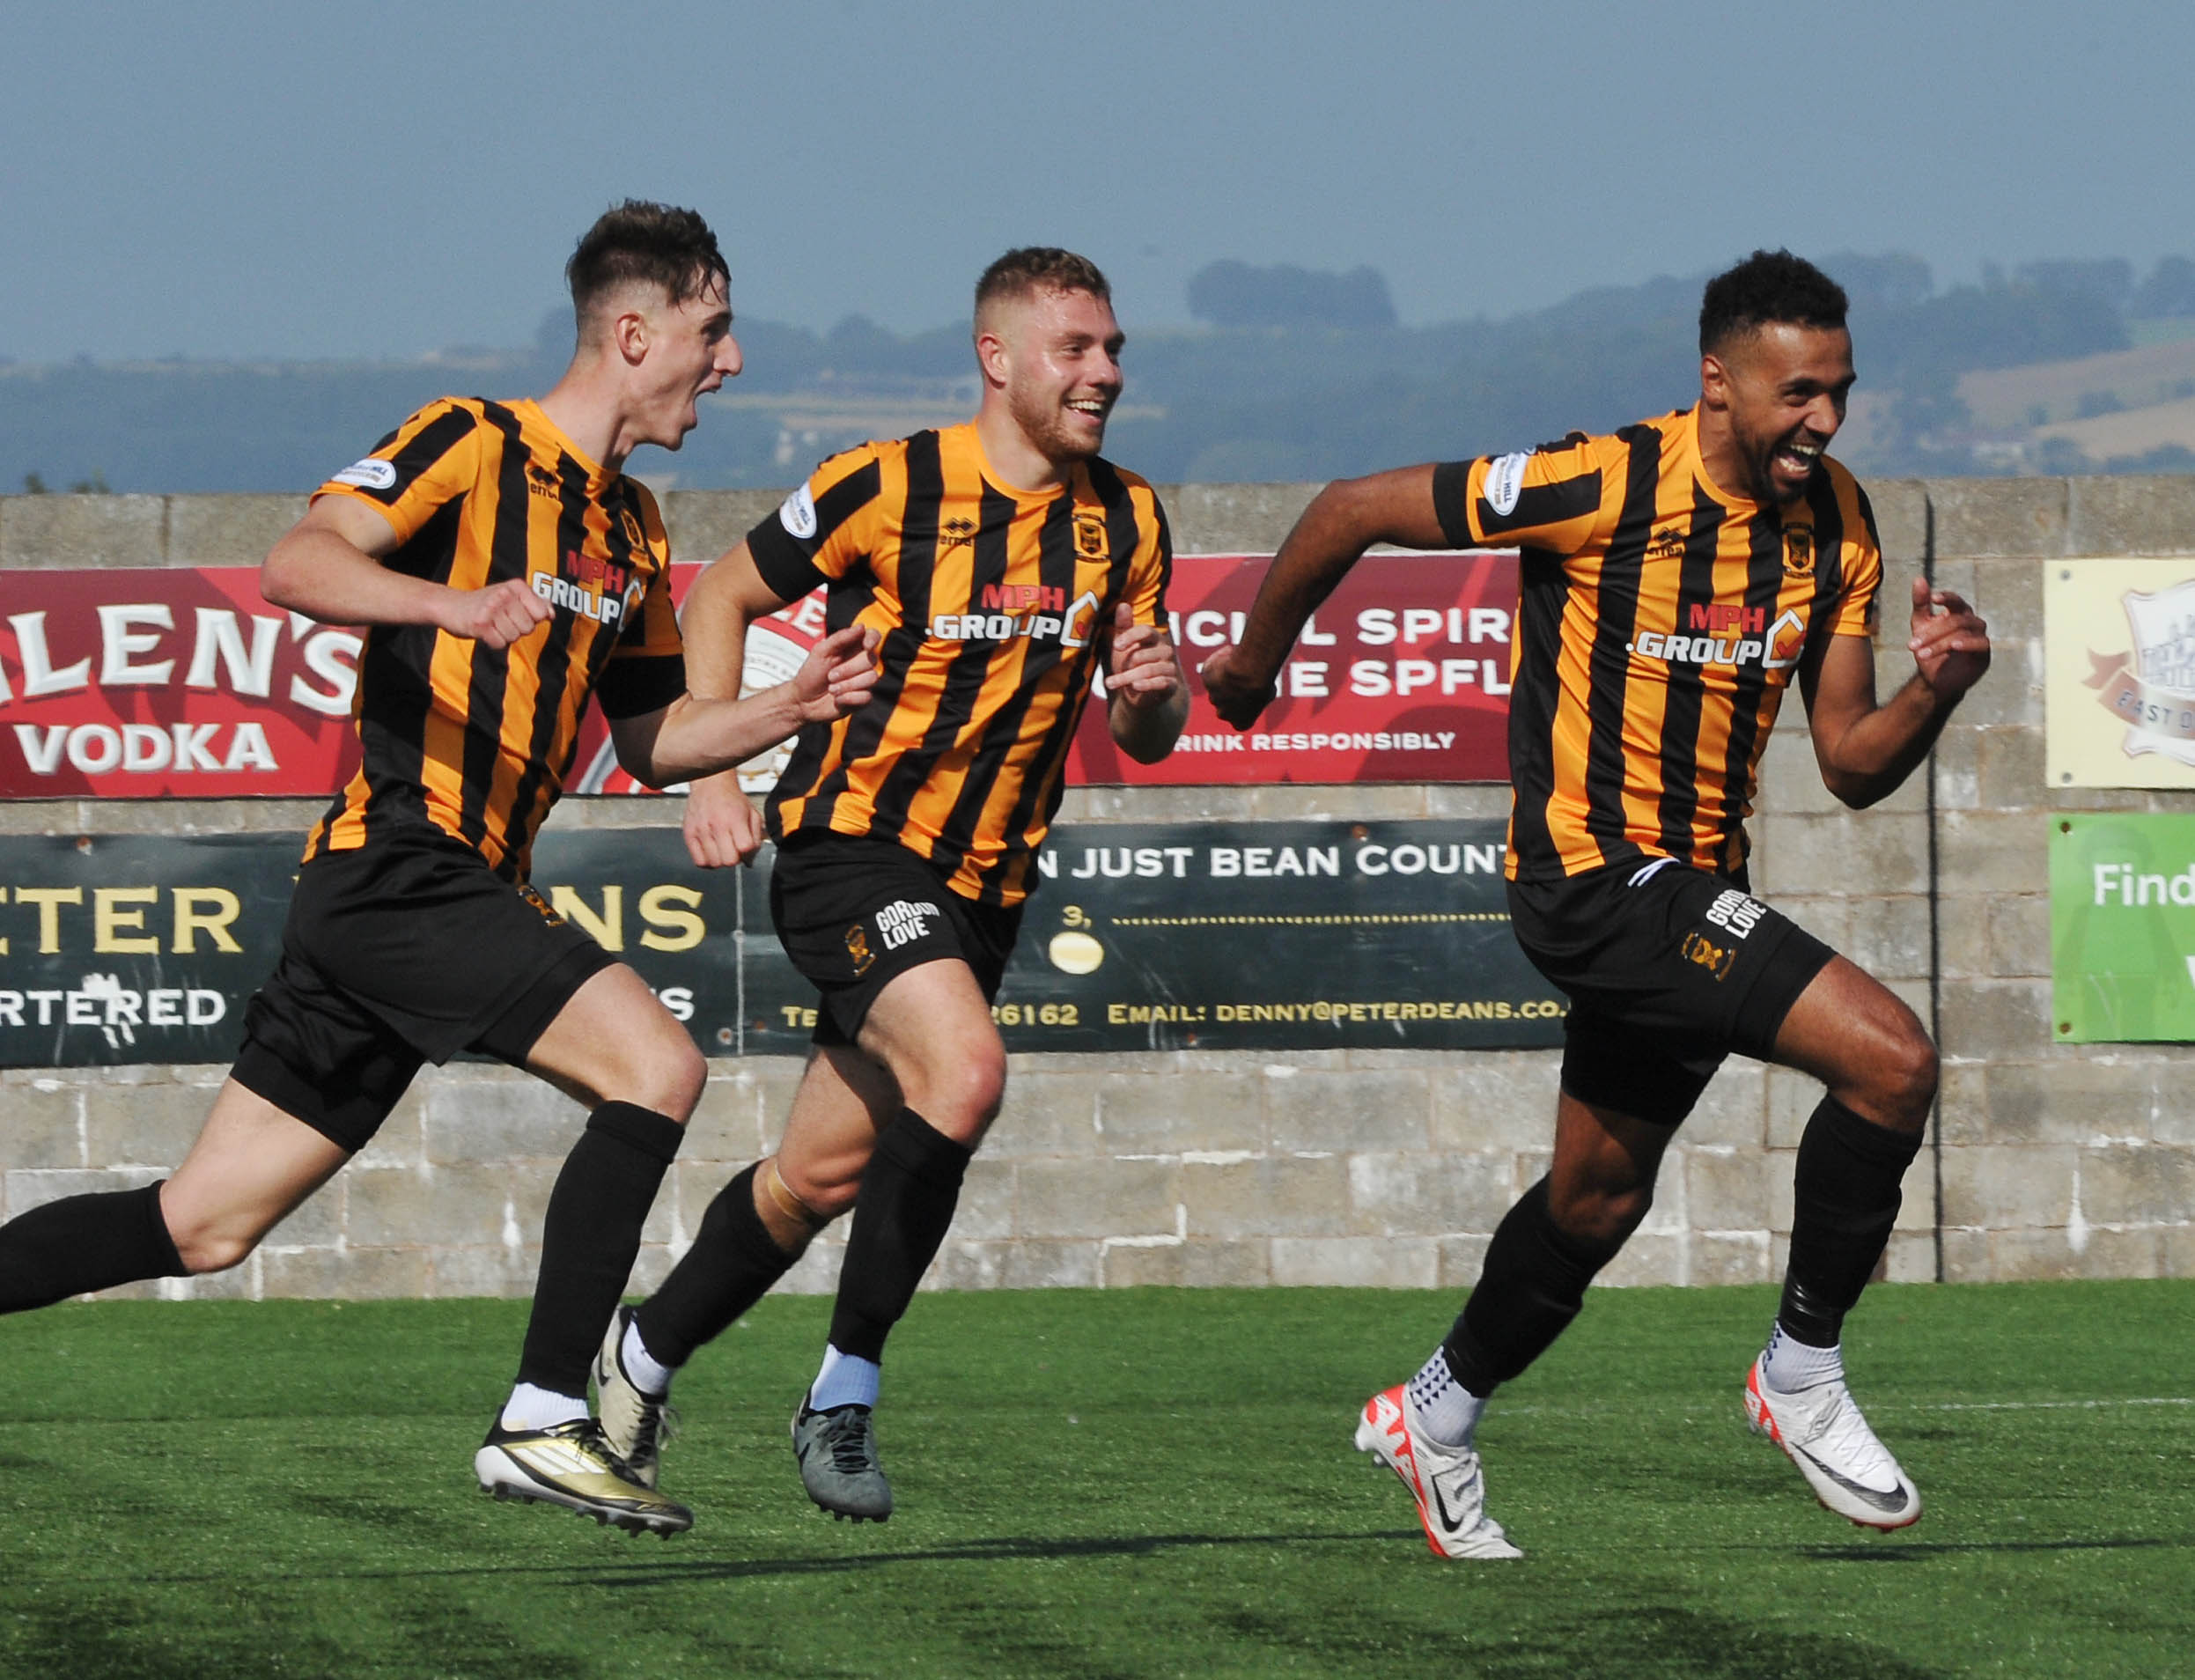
(836, 1450)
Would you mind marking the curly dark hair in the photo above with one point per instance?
(638, 240)
(1768, 286)
(1039, 268)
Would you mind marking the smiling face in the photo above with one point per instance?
(1053, 357)
(1771, 397)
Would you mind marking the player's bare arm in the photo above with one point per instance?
(1343, 520)
(1865, 750)
(329, 567)
(722, 825)
(696, 736)
(1149, 693)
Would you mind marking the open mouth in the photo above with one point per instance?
(1091, 409)
(1796, 456)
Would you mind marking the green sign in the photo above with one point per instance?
(2122, 928)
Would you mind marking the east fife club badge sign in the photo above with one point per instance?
(2120, 644)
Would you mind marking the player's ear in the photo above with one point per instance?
(1714, 380)
(992, 356)
(629, 331)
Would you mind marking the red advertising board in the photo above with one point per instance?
(1402, 675)
(176, 683)
(134, 684)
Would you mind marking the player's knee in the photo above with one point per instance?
(205, 1248)
(1602, 1216)
(1907, 1077)
(671, 1078)
(961, 1095)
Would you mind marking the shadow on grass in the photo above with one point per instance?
(1921, 1551)
(672, 1568)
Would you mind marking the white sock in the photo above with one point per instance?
(532, 1408)
(1790, 1365)
(1444, 1410)
(651, 1378)
(845, 1381)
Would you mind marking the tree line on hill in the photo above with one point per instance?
(1291, 374)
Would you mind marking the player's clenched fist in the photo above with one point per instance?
(1147, 671)
(1233, 696)
(497, 616)
(722, 827)
(838, 674)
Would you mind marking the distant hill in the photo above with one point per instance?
(2055, 367)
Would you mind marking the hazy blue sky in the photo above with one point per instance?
(242, 178)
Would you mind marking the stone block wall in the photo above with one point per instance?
(1382, 1167)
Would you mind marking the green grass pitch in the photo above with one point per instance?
(1132, 1484)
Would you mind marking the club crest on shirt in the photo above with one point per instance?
(1799, 550)
(1090, 535)
(629, 522)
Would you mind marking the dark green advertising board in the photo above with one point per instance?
(2122, 928)
(1269, 936)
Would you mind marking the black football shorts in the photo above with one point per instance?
(406, 950)
(854, 912)
(1669, 969)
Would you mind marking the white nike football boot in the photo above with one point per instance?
(1821, 1432)
(1445, 1481)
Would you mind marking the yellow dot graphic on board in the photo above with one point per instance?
(1076, 953)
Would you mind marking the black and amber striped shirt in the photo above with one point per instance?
(474, 740)
(1661, 619)
(995, 606)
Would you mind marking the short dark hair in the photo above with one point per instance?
(1039, 268)
(637, 241)
(1768, 286)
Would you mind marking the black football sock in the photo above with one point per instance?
(909, 1191)
(1846, 1200)
(1530, 1287)
(82, 1243)
(591, 1238)
(734, 1262)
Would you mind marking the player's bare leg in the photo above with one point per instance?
(929, 1028)
(755, 1228)
(615, 1048)
(251, 1166)
(248, 1170)
(1857, 1037)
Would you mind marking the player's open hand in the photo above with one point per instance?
(1950, 642)
(838, 674)
(722, 826)
(497, 616)
(1146, 669)
(1235, 698)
